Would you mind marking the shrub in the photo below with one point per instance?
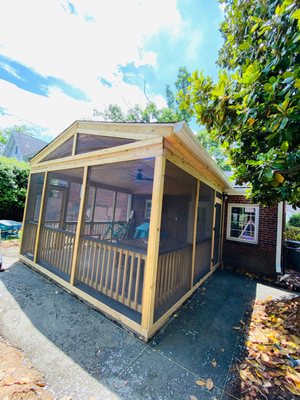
(295, 220)
(292, 233)
(13, 186)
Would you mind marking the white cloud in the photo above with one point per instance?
(46, 37)
(195, 41)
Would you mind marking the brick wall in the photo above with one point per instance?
(260, 257)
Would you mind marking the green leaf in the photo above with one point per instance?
(268, 87)
(268, 173)
(285, 145)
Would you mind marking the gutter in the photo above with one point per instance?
(279, 238)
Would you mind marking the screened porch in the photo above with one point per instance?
(136, 237)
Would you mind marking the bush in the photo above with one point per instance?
(292, 233)
(13, 186)
(294, 220)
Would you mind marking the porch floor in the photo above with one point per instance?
(84, 355)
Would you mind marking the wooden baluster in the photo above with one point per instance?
(108, 270)
(113, 272)
(137, 282)
(124, 276)
(133, 258)
(118, 273)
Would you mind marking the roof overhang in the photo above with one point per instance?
(178, 131)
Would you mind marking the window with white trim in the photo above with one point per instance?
(242, 223)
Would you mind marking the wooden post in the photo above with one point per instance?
(79, 224)
(37, 238)
(74, 144)
(25, 210)
(91, 231)
(213, 233)
(149, 287)
(195, 232)
(114, 215)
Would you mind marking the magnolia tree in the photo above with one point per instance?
(253, 108)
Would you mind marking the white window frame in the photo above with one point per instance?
(256, 226)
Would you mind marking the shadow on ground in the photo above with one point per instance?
(84, 355)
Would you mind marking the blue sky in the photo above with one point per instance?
(62, 59)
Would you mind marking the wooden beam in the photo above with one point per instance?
(25, 208)
(156, 129)
(37, 238)
(149, 287)
(201, 173)
(213, 234)
(116, 134)
(126, 152)
(74, 144)
(79, 224)
(195, 232)
(58, 141)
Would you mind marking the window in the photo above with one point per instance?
(242, 223)
(147, 209)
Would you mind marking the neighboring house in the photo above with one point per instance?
(134, 217)
(22, 146)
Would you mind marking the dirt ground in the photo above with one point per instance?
(10, 248)
(18, 379)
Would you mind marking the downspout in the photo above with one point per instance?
(279, 238)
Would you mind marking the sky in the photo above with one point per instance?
(62, 59)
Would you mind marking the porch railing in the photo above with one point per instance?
(28, 238)
(56, 248)
(173, 276)
(112, 270)
(99, 229)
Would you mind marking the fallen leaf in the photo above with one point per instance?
(265, 357)
(209, 384)
(201, 382)
(193, 398)
(214, 363)
(41, 384)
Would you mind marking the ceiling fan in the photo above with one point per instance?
(140, 177)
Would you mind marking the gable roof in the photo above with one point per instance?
(175, 132)
(28, 145)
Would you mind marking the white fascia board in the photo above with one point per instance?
(236, 191)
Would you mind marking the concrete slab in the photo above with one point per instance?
(153, 376)
(85, 356)
(204, 329)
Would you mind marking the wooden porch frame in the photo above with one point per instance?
(159, 145)
(153, 244)
(37, 238)
(79, 225)
(195, 231)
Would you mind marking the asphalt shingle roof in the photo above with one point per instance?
(28, 145)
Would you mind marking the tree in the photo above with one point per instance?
(254, 106)
(294, 220)
(172, 113)
(13, 186)
(151, 113)
(213, 147)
